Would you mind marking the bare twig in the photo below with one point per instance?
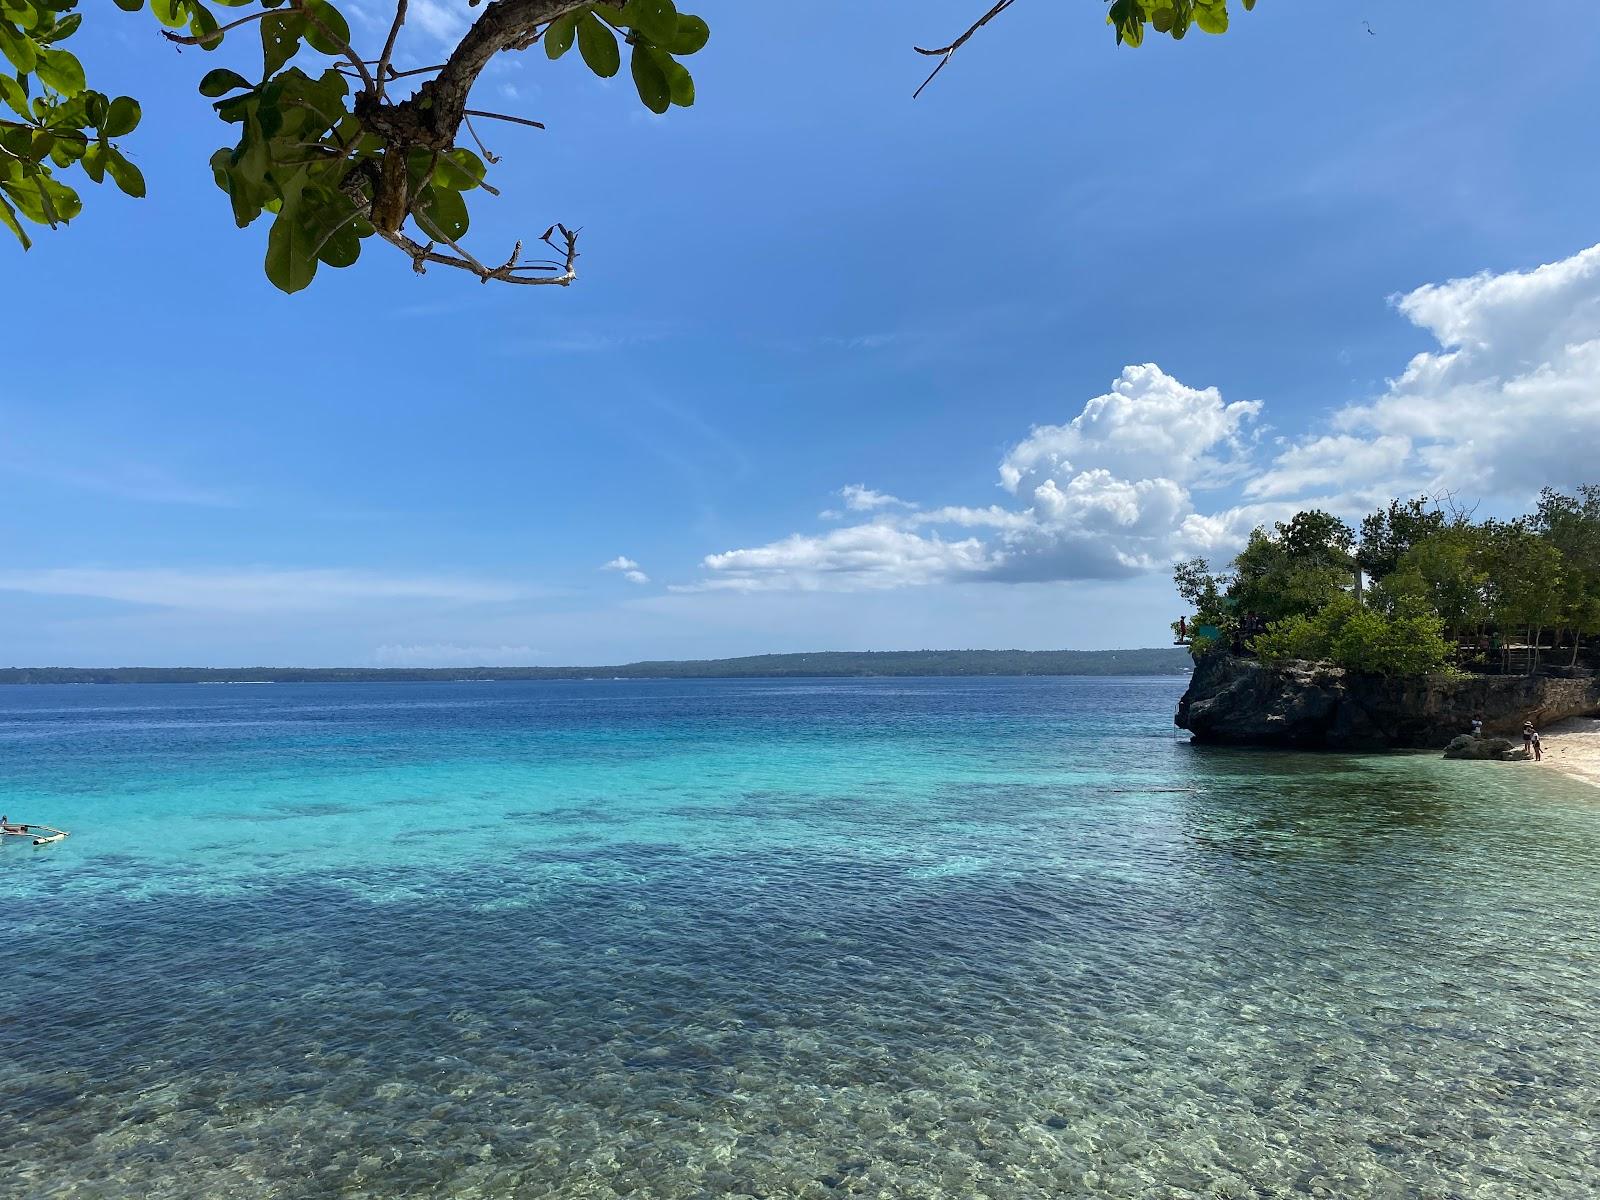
(489, 155)
(944, 53)
(205, 39)
(343, 45)
(388, 46)
(478, 112)
(507, 272)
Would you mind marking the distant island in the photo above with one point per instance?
(830, 663)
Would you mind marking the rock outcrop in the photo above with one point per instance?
(1240, 701)
(1499, 749)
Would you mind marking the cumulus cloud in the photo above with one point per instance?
(630, 570)
(1507, 402)
(858, 498)
(1149, 425)
(861, 556)
(1103, 496)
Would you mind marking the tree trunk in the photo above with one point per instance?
(1577, 640)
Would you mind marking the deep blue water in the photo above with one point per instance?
(998, 937)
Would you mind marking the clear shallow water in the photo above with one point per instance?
(924, 938)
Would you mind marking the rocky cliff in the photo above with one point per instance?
(1240, 701)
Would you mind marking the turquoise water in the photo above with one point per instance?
(920, 938)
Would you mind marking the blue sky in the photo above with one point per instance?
(807, 282)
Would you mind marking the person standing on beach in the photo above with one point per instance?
(1530, 741)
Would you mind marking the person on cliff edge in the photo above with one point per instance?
(1530, 741)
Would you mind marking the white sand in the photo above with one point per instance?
(1573, 746)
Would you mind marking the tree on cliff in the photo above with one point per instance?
(1572, 525)
(339, 139)
(1295, 568)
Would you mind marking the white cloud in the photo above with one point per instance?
(861, 556)
(1149, 425)
(860, 498)
(630, 570)
(251, 589)
(1508, 402)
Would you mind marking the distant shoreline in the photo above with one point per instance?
(1158, 661)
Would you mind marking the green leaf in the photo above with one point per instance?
(202, 25)
(1212, 17)
(441, 214)
(656, 19)
(128, 177)
(20, 13)
(61, 70)
(460, 170)
(650, 79)
(18, 49)
(326, 28)
(94, 161)
(171, 13)
(679, 82)
(122, 117)
(8, 218)
(64, 28)
(598, 45)
(220, 81)
(341, 245)
(16, 99)
(692, 35)
(558, 35)
(130, 5)
(291, 252)
(280, 39)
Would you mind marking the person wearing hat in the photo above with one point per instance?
(1530, 741)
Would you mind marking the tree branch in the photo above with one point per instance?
(205, 39)
(944, 53)
(388, 46)
(478, 112)
(504, 25)
(505, 273)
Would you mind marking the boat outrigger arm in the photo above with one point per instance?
(46, 834)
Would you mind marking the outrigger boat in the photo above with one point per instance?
(42, 835)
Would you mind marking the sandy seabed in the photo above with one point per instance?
(1573, 747)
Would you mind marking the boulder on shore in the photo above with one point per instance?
(1499, 749)
(1245, 702)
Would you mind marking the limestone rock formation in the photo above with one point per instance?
(1500, 749)
(1241, 701)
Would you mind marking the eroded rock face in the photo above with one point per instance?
(1240, 701)
(1499, 749)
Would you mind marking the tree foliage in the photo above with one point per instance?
(1295, 568)
(1439, 581)
(331, 140)
(1405, 640)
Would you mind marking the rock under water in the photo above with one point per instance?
(1241, 701)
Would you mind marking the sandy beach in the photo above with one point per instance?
(1573, 746)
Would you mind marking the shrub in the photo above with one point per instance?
(1408, 641)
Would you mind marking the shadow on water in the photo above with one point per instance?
(1266, 804)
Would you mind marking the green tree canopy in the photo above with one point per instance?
(1295, 568)
(338, 140)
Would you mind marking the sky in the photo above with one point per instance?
(842, 370)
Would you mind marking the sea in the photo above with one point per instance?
(931, 938)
